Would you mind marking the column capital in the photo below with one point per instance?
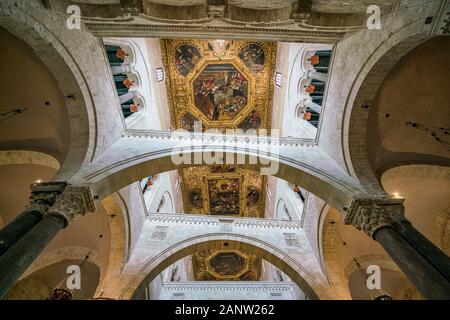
(369, 215)
(73, 201)
(43, 196)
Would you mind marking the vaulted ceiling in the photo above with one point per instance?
(218, 84)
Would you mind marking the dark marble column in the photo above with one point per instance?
(424, 276)
(426, 248)
(72, 202)
(42, 197)
(422, 262)
(15, 261)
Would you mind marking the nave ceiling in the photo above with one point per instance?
(225, 85)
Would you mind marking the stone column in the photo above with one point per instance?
(43, 196)
(319, 76)
(315, 107)
(116, 70)
(127, 96)
(74, 200)
(383, 221)
(426, 248)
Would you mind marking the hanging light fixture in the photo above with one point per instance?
(60, 291)
(383, 297)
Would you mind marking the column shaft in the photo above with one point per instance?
(315, 107)
(17, 228)
(426, 248)
(127, 96)
(20, 256)
(427, 279)
(319, 76)
(119, 69)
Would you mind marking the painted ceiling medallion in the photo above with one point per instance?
(253, 56)
(220, 91)
(227, 264)
(186, 57)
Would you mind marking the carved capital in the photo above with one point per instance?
(43, 196)
(369, 215)
(75, 200)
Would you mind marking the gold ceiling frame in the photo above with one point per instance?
(228, 277)
(176, 84)
(226, 177)
(196, 72)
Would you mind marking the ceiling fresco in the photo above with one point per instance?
(220, 91)
(226, 265)
(223, 84)
(223, 190)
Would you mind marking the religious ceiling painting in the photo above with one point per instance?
(251, 122)
(185, 58)
(220, 91)
(221, 84)
(224, 196)
(253, 56)
(188, 122)
(226, 265)
(223, 190)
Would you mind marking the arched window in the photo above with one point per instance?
(148, 183)
(126, 81)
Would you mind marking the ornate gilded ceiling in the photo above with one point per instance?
(223, 84)
(226, 265)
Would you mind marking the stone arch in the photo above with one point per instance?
(65, 253)
(120, 240)
(59, 61)
(335, 273)
(382, 260)
(405, 290)
(282, 211)
(125, 45)
(281, 260)
(430, 182)
(39, 284)
(8, 157)
(330, 184)
(362, 96)
(136, 78)
(168, 199)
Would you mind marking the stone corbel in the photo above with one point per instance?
(75, 200)
(370, 215)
